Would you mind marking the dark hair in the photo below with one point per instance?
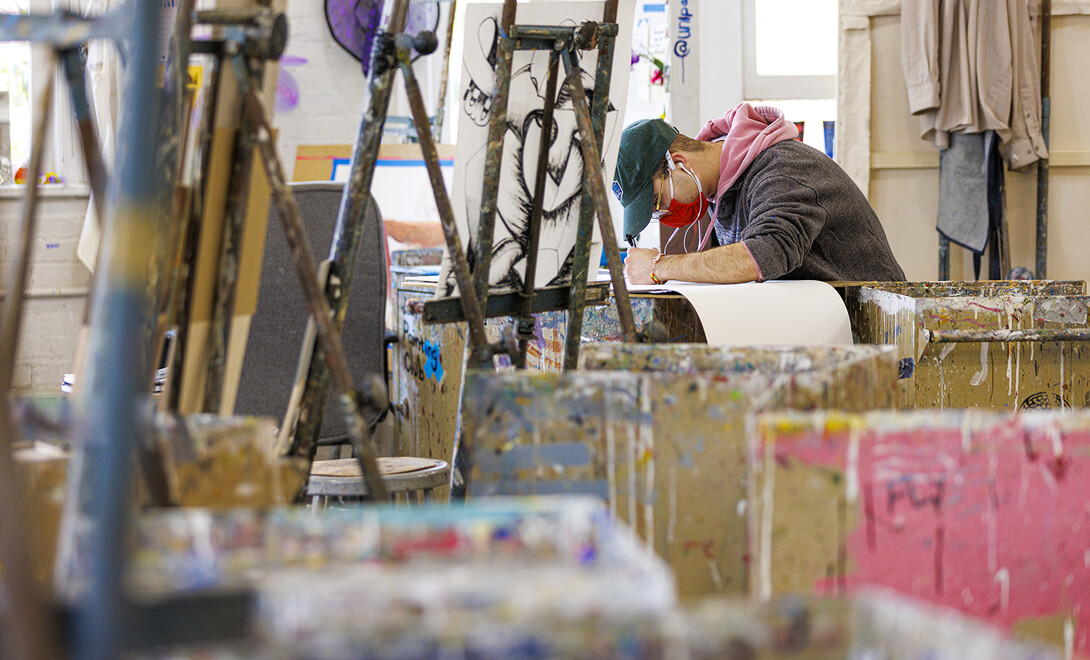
(664, 168)
(680, 143)
(662, 172)
(687, 144)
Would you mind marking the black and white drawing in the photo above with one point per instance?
(567, 172)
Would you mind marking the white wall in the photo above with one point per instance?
(56, 285)
(902, 169)
(720, 57)
(332, 86)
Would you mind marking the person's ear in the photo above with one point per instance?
(680, 158)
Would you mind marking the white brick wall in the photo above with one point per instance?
(47, 345)
(56, 287)
(332, 88)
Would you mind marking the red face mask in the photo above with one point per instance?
(680, 214)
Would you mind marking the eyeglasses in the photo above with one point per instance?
(657, 212)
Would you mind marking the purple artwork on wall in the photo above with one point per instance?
(354, 23)
(287, 88)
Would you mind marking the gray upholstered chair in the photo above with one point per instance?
(279, 323)
(276, 332)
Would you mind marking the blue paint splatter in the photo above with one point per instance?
(433, 365)
(905, 368)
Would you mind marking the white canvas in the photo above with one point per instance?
(777, 312)
(566, 177)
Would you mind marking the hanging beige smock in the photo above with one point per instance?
(971, 66)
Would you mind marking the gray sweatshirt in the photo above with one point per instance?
(803, 218)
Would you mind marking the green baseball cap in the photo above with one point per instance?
(643, 147)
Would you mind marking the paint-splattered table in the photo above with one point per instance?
(981, 511)
(993, 344)
(426, 369)
(658, 431)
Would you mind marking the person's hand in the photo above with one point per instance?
(637, 265)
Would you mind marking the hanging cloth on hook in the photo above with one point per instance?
(971, 193)
(971, 66)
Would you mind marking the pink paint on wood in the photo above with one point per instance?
(998, 527)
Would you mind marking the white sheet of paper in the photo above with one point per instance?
(782, 312)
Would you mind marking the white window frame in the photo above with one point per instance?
(62, 150)
(763, 87)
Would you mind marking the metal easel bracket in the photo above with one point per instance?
(548, 299)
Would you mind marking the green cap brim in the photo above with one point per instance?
(644, 144)
(637, 215)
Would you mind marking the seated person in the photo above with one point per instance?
(782, 209)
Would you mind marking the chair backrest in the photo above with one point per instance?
(276, 332)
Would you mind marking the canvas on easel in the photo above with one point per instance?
(567, 171)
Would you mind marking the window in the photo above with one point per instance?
(789, 49)
(14, 99)
(22, 71)
(789, 60)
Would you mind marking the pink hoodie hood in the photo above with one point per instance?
(749, 130)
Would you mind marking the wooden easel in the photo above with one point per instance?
(110, 424)
(393, 51)
(563, 45)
